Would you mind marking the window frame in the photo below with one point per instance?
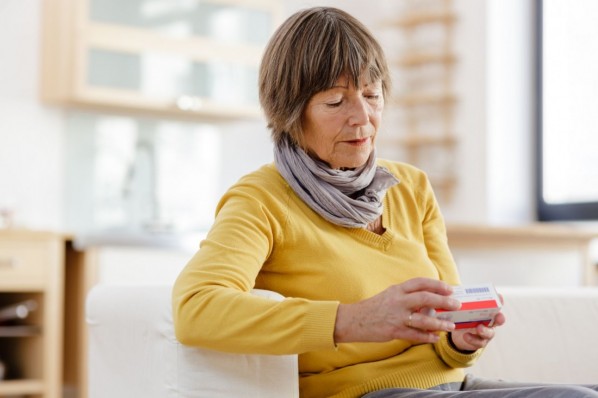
(573, 211)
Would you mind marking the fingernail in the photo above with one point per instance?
(450, 327)
(455, 303)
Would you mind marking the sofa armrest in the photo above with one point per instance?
(133, 352)
(549, 336)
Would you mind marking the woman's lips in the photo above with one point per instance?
(359, 141)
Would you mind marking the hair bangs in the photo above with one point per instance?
(344, 53)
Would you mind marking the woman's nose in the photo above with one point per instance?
(359, 114)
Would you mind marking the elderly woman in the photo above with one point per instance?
(356, 244)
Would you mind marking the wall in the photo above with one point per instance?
(469, 202)
(31, 136)
(493, 167)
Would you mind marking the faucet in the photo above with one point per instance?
(155, 222)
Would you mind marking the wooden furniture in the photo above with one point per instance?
(195, 60)
(32, 268)
(45, 354)
(422, 110)
(80, 276)
(539, 254)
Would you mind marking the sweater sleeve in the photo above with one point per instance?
(212, 304)
(453, 357)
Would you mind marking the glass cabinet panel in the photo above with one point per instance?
(186, 18)
(165, 75)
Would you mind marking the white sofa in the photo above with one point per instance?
(551, 336)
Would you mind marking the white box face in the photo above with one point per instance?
(479, 304)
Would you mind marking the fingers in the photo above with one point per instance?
(398, 312)
(427, 323)
(424, 299)
(420, 336)
(427, 284)
(416, 297)
(414, 333)
(428, 293)
(480, 338)
(484, 332)
(499, 319)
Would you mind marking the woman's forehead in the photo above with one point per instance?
(364, 81)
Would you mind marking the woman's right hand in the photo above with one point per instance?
(399, 312)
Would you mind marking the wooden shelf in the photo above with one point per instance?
(21, 387)
(417, 59)
(416, 18)
(33, 347)
(130, 102)
(422, 99)
(422, 140)
(20, 331)
(537, 233)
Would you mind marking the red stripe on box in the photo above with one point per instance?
(478, 305)
(475, 305)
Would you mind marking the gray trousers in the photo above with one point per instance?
(474, 387)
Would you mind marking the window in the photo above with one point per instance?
(567, 106)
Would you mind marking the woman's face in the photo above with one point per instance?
(340, 124)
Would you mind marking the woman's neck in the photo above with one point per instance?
(376, 226)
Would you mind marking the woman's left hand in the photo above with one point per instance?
(479, 337)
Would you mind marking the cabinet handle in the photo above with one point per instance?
(8, 262)
(189, 103)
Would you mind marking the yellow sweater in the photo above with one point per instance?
(265, 236)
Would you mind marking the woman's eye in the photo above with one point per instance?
(373, 97)
(334, 104)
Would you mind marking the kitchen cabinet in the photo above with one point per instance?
(32, 271)
(195, 59)
(45, 354)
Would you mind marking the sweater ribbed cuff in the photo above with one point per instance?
(452, 356)
(319, 326)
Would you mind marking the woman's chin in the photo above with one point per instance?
(351, 164)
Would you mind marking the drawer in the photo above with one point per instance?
(23, 262)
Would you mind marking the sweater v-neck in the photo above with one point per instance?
(383, 240)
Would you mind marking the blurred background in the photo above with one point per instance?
(116, 154)
(123, 123)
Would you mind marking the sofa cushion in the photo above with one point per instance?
(134, 353)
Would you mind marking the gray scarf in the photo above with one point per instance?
(349, 198)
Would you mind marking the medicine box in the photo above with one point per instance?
(479, 304)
